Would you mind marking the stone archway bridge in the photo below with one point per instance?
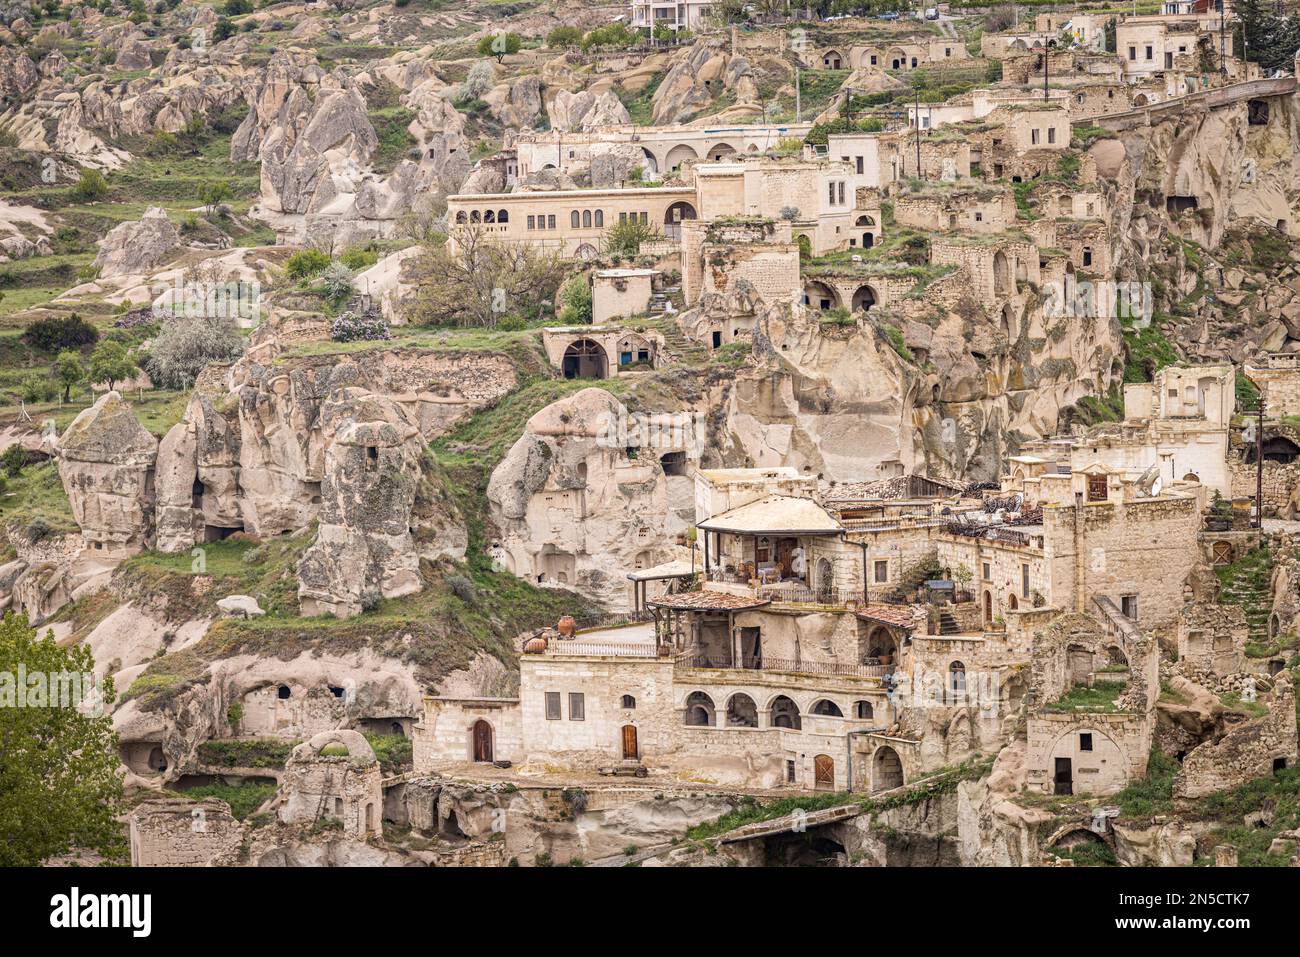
(1200, 101)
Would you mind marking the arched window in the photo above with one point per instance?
(474, 216)
(600, 217)
(586, 219)
(490, 216)
(863, 711)
(574, 219)
(627, 702)
(503, 216)
(957, 678)
(828, 708)
(460, 216)
(699, 709)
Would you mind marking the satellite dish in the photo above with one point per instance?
(1148, 480)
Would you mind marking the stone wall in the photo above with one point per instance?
(1251, 750)
(1114, 554)
(1119, 749)
(445, 734)
(319, 784)
(181, 833)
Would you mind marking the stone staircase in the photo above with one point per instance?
(947, 623)
(1246, 586)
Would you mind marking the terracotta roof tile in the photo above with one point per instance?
(898, 615)
(707, 601)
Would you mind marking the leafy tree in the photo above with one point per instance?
(235, 8)
(564, 37)
(111, 363)
(338, 283)
(575, 301)
(69, 371)
(212, 194)
(484, 283)
(625, 237)
(90, 186)
(1269, 39)
(186, 344)
(477, 82)
(499, 45)
(615, 35)
(223, 30)
(59, 786)
(54, 335)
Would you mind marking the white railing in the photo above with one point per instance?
(604, 649)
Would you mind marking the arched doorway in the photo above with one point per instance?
(864, 298)
(785, 713)
(823, 772)
(720, 151)
(585, 359)
(818, 295)
(674, 216)
(988, 608)
(678, 155)
(886, 769)
(650, 160)
(481, 741)
(1001, 274)
(827, 708)
(825, 581)
(631, 749)
(586, 252)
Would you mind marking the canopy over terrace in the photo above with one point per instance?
(701, 622)
(774, 527)
(674, 571)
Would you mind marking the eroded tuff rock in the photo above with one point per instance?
(706, 71)
(312, 133)
(574, 510)
(106, 462)
(134, 248)
(198, 468)
(586, 110)
(373, 471)
(840, 402)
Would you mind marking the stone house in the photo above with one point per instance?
(333, 776)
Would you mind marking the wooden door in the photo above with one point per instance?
(482, 736)
(630, 750)
(824, 772)
(1064, 777)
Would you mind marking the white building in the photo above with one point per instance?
(688, 14)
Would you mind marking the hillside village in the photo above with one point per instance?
(662, 434)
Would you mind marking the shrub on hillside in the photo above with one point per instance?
(57, 334)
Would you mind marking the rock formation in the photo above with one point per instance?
(106, 462)
(364, 549)
(135, 248)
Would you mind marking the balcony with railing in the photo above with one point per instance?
(791, 591)
(871, 670)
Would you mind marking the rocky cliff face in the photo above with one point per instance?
(364, 548)
(574, 510)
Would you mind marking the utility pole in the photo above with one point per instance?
(917, 90)
(798, 102)
(1223, 50)
(1259, 465)
(1047, 65)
